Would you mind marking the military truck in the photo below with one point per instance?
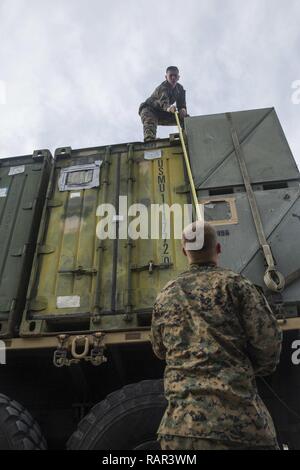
(75, 309)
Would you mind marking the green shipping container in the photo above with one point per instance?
(23, 185)
(82, 283)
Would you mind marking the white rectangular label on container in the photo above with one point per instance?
(3, 192)
(152, 154)
(16, 170)
(73, 195)
(70, 301)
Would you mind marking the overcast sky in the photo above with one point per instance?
(73, 72)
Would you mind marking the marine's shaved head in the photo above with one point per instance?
(209, 247)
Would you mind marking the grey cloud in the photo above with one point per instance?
(77, 70)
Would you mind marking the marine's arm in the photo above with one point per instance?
(181, 100)
(263, 334)
(162, 97)
(157, 333)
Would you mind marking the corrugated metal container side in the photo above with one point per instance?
(23, 185)
(80, 283)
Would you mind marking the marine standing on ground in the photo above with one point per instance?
(216, 332)
(159, 109)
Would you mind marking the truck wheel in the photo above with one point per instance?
(127, 419)
(18, 429)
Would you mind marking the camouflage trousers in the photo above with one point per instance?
(152, 118)
(168, 442)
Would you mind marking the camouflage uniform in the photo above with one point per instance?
(216, 332)
(154, 112)
(192, 443)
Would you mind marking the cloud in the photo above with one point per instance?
(76, 71)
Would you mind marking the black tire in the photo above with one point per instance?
(18, 429)
(127, 419)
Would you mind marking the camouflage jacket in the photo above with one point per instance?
(164, 96)
(216, 332)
